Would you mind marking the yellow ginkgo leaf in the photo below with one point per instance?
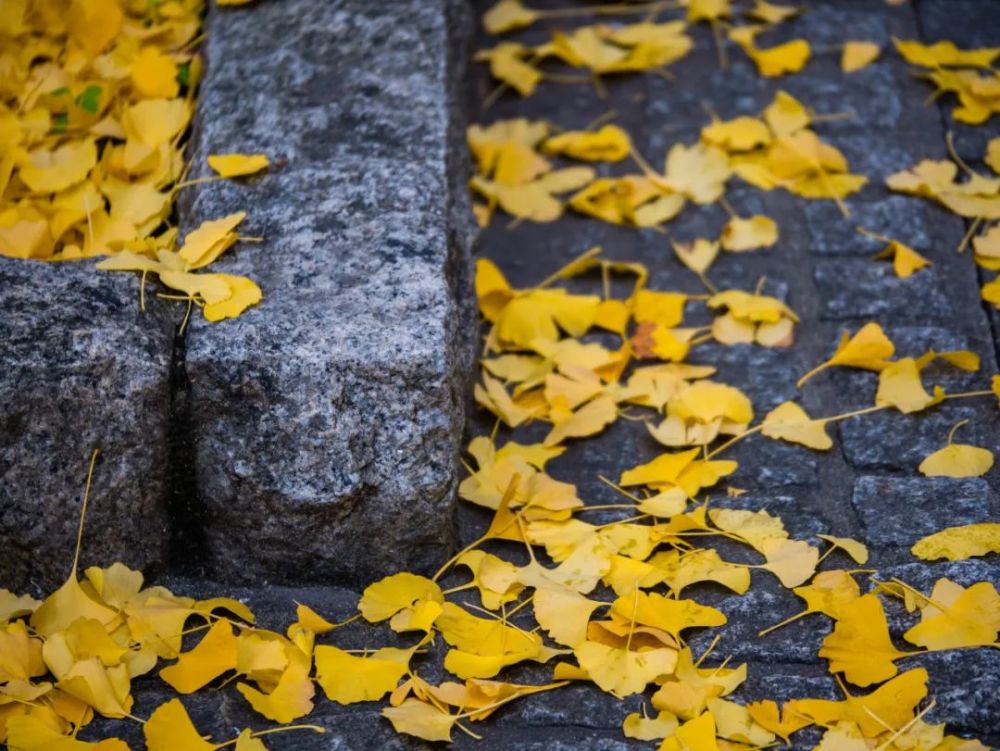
(156, 121)
(828, 593)
(290, 699)
(857, 55)
(13, 606)
(215, 654)
(905, 260)
(771, 12)
(237, 165)
(868, 349)
(591, 418)
(959, 543)
(154, 74)
(737, 135)
(53, 171)
(622, 671)
(608, 144)
(955, 617)
(698, 172)
(246, 741)
(29, 732)
(348, 678)
(697, 734)
(749, 234)
(899, 386)
(421, 720)
(508, 15)
(859, 646)
(790, 57)
(856, 550)
(945, 54)
(734, 722)
(386, 597)
(243, 293)
(957, 460)
(169, 728)
(210, 240)
(789, 422)
(792, 561)
(643, 728)
(563, 613)
(707, 10)
(992, 157)
(312, 620)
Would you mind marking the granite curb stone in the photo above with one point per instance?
(327, 420)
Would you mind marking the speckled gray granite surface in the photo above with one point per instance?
(81, 368)
(331, 414)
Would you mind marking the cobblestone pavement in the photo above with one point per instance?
(867, 487)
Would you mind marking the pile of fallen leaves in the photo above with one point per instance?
(95, 104)
(607, 603)
(777, 149)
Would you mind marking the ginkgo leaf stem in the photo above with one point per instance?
(720, 43)
(567, 78)
(734, 440)
(956, 426)
(187, 317)
(451, 561)
(492, 97)
(560, 272)
(967, 237)
(459, 588)
(790, 619)
(814, 372)
(142, 290)
(897, 733)
(468, 732)
(271, 731)
(949, 141)
(606, 507)
(618, 489)
(83, 512)
(631, 625)
(708, 650)
(195, 181)
(873, 235)
(727, 207)
(827, 553)
(708, 284)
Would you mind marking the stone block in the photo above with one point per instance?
(80, 368)
(327, 420)
(864, 289)
(898, 511)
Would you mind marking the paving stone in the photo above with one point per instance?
(854, 289)
(890, 440)
(898, 217)
(327, 420)
(899, 511)
(81, 367)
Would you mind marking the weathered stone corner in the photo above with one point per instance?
(82, 368)
(327, 420)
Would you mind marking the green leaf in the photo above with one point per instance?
(184, 73)
(59, 122)
(90, 99)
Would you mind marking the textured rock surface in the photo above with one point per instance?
(80, 368)
(327, 420)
